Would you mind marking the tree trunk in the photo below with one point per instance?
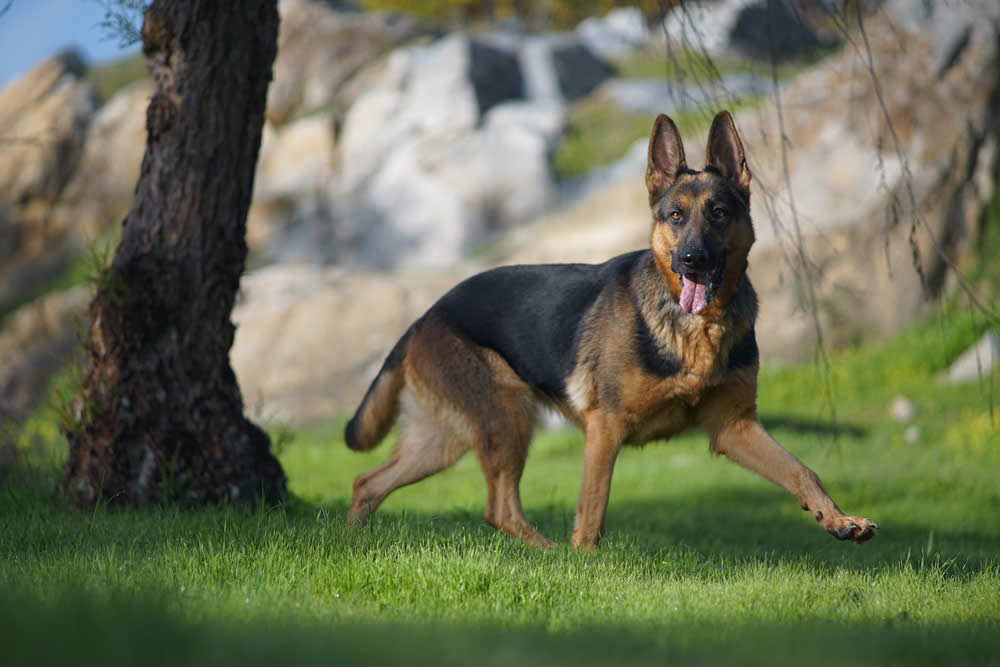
(160, 415)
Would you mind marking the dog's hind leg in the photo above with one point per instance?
(425, 447)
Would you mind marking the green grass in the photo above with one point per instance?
(599, 132)
(703, 563)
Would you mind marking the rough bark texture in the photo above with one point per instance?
(160, 416)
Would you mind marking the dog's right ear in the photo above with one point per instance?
(666, 157)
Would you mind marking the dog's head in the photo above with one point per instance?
(702, 231)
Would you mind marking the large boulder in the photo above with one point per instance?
(560, 68)
(440, 154)
(765, 30)
(774, 30)
(309, 339)
(290, 216)
(863, 218)
(618, 32)
(36, 341)
(322, 47)
(43, 120)
(701, 26)
(101, 189)
(44, 116)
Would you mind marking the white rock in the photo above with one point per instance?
(978, 361)
(902, 409)
(702, 27)
(621, 30)
(439, 155)
(558, 66)
(290, 218)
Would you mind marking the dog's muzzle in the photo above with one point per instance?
(699, 278)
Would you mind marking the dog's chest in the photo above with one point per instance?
(660, 405)
(661, 409)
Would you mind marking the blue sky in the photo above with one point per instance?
(34, 29)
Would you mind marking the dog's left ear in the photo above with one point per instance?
(725, 151)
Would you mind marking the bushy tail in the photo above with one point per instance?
(380, 406)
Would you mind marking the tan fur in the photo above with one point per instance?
(377, 421)
(455, 396)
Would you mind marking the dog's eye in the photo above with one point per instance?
(675, 216)
(719, 212)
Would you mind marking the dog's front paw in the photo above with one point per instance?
(854, 528)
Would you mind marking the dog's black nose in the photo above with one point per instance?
(695, 260)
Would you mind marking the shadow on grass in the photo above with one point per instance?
(801, 426)
(80, 629)
(729, 524)
(740, 527)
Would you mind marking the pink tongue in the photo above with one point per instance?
(694, 296)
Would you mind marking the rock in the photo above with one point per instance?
(756, 29)
(902, 409)
(431, 203)
(616, 33)
(44, 116)
(578, 70)
(495, 75)
(911, 435)
(868, 196)
(101, 190)
(310, 339)
(439, 155)
(978, 361)
(290, 218)
(560, 68)
(36, 341)
(703, 27)
(322, 46)
(756, 32)
(425, 93)
(43, 120)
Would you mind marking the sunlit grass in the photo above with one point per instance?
(703, 562)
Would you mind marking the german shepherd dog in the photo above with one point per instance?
(639, 348)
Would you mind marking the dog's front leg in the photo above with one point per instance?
(603, 440)
(743, 440)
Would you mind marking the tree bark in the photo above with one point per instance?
(160, 415)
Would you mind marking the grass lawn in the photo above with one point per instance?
(703, 562)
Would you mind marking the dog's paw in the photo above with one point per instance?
(854, 528)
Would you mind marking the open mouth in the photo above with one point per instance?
(698, 289)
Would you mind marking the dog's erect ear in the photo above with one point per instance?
(666, 157)
(725, 151)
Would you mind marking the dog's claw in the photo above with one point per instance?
(855, 529)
